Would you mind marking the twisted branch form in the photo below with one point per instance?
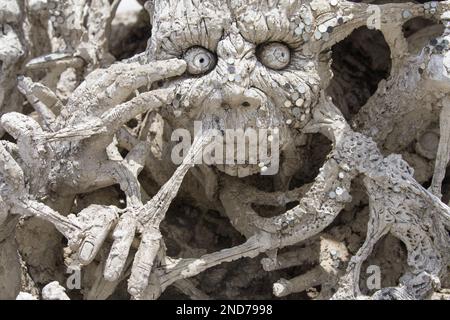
(233, 65)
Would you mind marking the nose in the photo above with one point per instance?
(238, 97)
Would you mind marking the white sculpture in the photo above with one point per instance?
(235, 64)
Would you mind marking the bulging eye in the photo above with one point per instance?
(274, 55)
(199, 60)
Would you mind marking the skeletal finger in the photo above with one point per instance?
(10, 171)
(123, 237)
(138, 75)
(52, 60)
(443, 153)
(143, 262)
(79, 131)
(152, 100)
(17, 124)
(100, 220)
(312, 278)
(66, 226)
(25, 86)
(115, 83)
(46, 96)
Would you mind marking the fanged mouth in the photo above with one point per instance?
(258, 134)
(243, 153)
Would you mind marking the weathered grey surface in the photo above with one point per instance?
(87, 181)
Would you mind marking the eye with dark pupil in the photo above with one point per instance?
(199, 60)
(274, 55)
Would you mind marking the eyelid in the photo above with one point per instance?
(250, 50)
(264, 44)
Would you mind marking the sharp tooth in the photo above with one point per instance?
(243, 171)
(230, 170)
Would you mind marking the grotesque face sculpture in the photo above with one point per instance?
(246, 64)
(238, 65)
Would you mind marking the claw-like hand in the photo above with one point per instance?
(145, 255)
(97, 221)
(146, 220)
(96, 107)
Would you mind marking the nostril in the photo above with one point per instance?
(246, 104)
(225, 106)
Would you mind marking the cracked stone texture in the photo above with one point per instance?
(91, 93)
